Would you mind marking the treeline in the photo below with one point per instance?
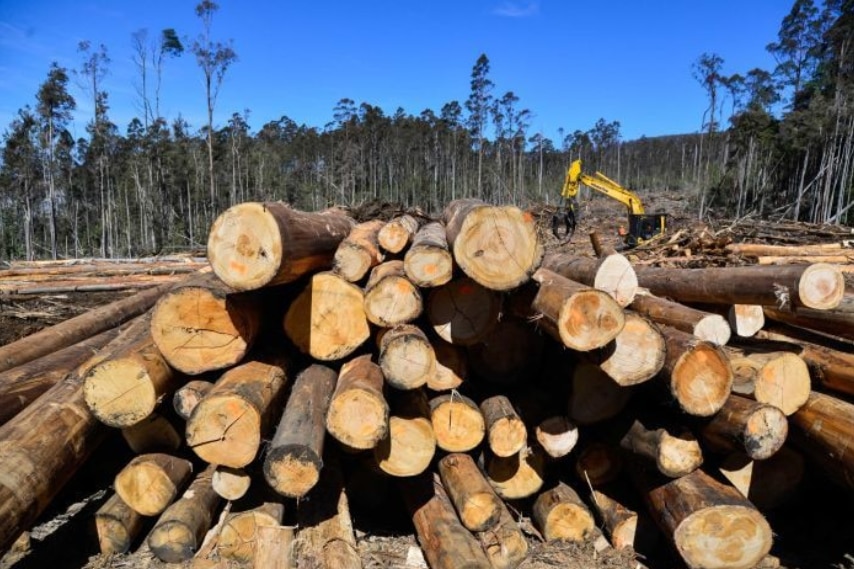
(159, 184)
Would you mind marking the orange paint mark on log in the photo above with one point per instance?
(403, 286)
(528, 217)
(466, 289)
(430, 269)
(235, 267)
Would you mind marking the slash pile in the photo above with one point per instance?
(452, 362)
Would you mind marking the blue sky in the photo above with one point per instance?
(569, 62)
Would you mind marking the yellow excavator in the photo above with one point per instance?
(642, 226)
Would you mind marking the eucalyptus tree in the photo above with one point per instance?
(478, 105)
(19, 182)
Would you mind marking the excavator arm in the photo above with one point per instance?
(601, 183)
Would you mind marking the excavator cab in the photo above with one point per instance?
(645, 226)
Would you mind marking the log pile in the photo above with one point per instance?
(458, 371)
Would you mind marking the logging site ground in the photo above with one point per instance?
(813, 529)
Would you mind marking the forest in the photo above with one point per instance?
(771, 143)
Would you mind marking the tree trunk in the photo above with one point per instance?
(838, 321)
(327, 320)
(203, 325)
(390, 299)
(397, 233)
(410, 444)
(711, 524)
(673, 455)
(239, 538)
(781, 379)
(179, 531)
(295, 456)
(79, 328)
(406, 357)
(497, 247)
(612, 274)
(557, 435)
(822, 430)
(507, 432)
(230, 483)
(598, 464)
(746, 425)
(457, 422)
(561, 515)
(817, 286)
(117, 526)
(273, 546)
(253, 245)
(358, 412)
(762, 249)
(621, 523)
(746, 319)
(476, 503)
(698, 373)
(462, 312)
(228, 425)
(428, 262)
(580, 317)
(150, 482)
(504, 543)
(445, 542)
(155, 433)
(518, 476)
(23, 384)
(359, 252)
(636, 355)
(710, 327)
(188, 396)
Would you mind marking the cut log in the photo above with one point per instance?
(581, 317)
(711, 524)
(239, 537)
(390, 298)
(359, 252)
(451, 367)
(814, 286)
(179, 531)
(595, 396)
(837, 322)
(476, 503)
(428, 262)
(704, 325)
(557, 435)
(150, 482)
(407, 358)
(327, 320)
(510, 352)
(188, 396)
(822, 430)
(253, 245)
(746, 425)
(636, 355)
(117, 526)
(768, 483)
(763, 249)
(499, 247)
(561, 515)
(23, 384)
(124, 389)
(611, 273)
(155, 433)
(231, 483)
(203, 325)
(621, 523)
(504, 543)
(698, 372)
(77, 329)
(781, 379)
(295, 457)
(273, 547)
(457, 422)
(228, 425)
(517, 476)
(598, 464)
(462, 312)
(397, 233)
(746, 319)
(358, 411)
(410, 444)
(507, 432)
(444, 540)
(673, 455)
(326, 537)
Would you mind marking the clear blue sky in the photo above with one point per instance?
(569, 62)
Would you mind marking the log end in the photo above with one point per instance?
(783, 382)
(173, 542)
(589, 320)
(245, 246)
(713, 328)
(507, 437)
(746, 319)
(568, 522)
(429, 267)
(225, 429)
(821, 286)
(637, 353)
(518, 476)
(678, 456)
(617, 277)
(765, 432)
(481, 511)
(230, 483)
(557, 435)
(407, 360)
(701, 380)
(723, 536)
(352, 261)
(458, 425)
(358, 418)
(113, 536)
(146, 489)
(408, 448)
(393, 301)
(120, 392)
(292, 470)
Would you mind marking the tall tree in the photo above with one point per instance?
(707, 72)
(797, 47)
(478, 105)
(18, 175)
(214, 58)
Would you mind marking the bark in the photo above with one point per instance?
(359, 252)
(745, 425)
(504, 543)
(155, 433)
(273, 547)
(428, 262)
(327, 320)
(204, 325)
(390, 298)
(621, 523)
(704, 325)
(117, 526)
(838, 321)
(188, 396)
(239, 538)
(598, 464)
(507, 432)
(498, 247)
(457, 422)
(295, 456)
(228, 425)
(612, 273)
(253, 245)
(150, 482)
(476, 503)
(462, 312)
(823, 430)
(673, 455)
(358, 412)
